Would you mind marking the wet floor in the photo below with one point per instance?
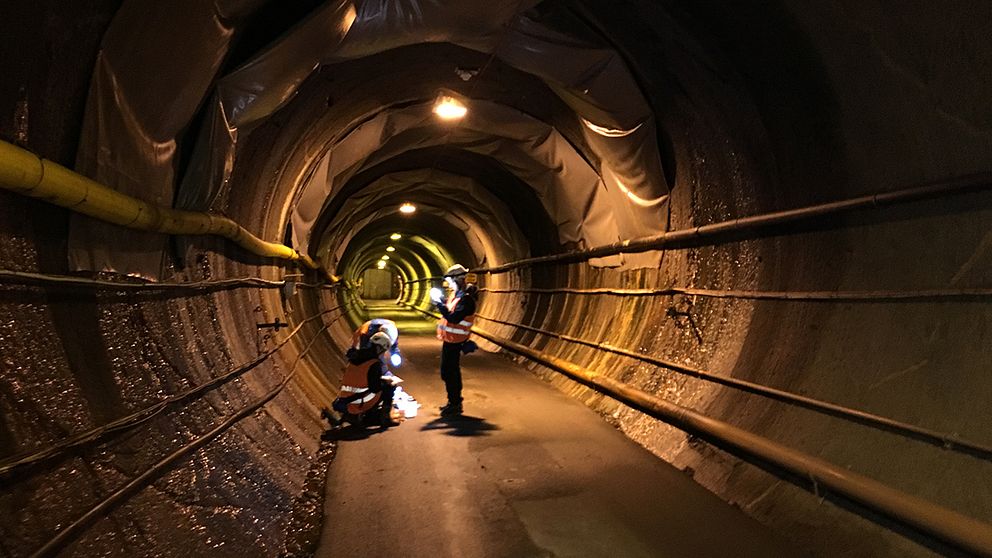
(526, 471)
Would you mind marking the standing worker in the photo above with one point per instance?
(453, 330)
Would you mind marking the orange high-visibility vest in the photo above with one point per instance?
(454, 333)
(356, 381)
(356, 338)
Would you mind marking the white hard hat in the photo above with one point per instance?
(389, 328)
(381, 341)
(456, 270)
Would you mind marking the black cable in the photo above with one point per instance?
(940, 439)
(58, 541)
(808, 296)
(33, 457)
(717, 233)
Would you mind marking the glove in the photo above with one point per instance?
(436, 295)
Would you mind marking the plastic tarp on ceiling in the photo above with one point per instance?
(484, 212)
(156, 63)
(152, 76)
(569, 189)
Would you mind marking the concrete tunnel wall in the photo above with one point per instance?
(763, 108)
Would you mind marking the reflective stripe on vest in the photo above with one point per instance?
(371, 395)
(454, 333)
(356, 381)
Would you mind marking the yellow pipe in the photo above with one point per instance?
(25, 173)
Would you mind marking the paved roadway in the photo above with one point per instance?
(525, 472)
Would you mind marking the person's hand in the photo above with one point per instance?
(436, 295)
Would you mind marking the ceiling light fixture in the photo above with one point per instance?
(395, 236)
(449, 108)
(408, 208)
(384, 258)
(390, 249)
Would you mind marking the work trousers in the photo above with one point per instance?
(380, 413)
(385, 401)
(387, 397)
(451, 371)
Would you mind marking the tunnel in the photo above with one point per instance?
(750, 240)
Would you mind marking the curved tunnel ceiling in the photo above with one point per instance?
(483, 219)
(525, 208)
(369, 244)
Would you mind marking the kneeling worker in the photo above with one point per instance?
(367, 383)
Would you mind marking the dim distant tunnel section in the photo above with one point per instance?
(753, 240)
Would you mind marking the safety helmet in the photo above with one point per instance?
(385, 326)
(456, 271)
(381, 341)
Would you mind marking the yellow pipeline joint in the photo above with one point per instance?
(25, 173)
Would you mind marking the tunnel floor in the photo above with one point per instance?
(526, 471)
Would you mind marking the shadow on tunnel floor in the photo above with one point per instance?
(461, 425)
(351, 433)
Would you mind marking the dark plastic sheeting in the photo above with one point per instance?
(572, 193)
(486, 222)
(158, 62)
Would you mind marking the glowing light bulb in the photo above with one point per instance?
(381, 264)
(384, 258)
(390, 249)
(449, 108)
(408, 208)
(395, 236)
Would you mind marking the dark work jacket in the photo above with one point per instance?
(464, 308)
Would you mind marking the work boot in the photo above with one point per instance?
(329, 416)
(386, 419)
(451, 409)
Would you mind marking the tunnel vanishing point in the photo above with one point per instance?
(755, 237)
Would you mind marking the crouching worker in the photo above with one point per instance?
(367, 387)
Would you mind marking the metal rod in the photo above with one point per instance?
(672, 239)
(58, 540)
(947, 525)
(940, 439)
(424, 279)
(807, 296)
